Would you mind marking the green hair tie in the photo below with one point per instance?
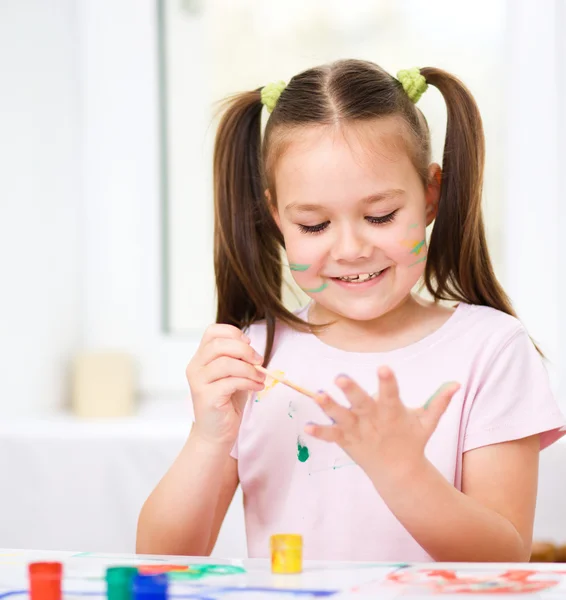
(270, 94)
(413, 82)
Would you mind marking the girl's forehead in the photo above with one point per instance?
(357, 155)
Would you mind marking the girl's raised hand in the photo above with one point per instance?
(381, 432)
(220, 376)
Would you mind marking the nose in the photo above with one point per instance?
(350, 245)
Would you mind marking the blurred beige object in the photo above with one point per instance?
(543, 552)
(103, 385)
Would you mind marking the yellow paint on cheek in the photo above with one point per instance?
(415, 246)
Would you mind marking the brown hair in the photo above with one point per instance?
(248, 243)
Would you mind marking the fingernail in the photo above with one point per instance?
(257, 358)
(447, 385)
(246, 338)
(439, 391)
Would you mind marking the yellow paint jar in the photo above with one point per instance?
(286, 553)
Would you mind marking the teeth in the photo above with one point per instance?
(361, 277)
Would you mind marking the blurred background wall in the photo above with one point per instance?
(40, 203)
(106, 126)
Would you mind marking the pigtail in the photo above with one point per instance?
(247, 241)
(458, 264)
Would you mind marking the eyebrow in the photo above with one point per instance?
(367, 201)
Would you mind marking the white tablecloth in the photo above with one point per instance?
(77, 485)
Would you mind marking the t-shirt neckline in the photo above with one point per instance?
(403, 353)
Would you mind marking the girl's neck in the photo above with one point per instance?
(410, 321)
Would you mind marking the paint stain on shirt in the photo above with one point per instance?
(270, 383)
(302, 451)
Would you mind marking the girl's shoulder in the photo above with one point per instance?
(486, 323)
(488, 316)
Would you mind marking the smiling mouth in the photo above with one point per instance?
(360, 277)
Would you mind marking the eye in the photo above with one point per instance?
(382, 220)
(314, 228)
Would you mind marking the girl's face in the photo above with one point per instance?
(353, 212)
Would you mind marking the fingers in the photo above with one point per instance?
(225, 352)
(226, 366)
(221, 330)
(234, 348)
(437, 404)
(361, 402)
(339, 414)
(226, 387)
(326, 433)
(388, 388)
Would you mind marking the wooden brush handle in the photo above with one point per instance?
(286, 382)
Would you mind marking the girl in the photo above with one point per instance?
(343, 182)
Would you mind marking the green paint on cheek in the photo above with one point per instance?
(418, 261)
(417, 247)
(413, 225)
(297, 267)
(302, 451)
(318, 289)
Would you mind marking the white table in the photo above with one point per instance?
(224, 579)
(78, 485)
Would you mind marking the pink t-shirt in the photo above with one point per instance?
(293, 483)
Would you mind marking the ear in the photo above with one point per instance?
(432, 194)
(272, 208)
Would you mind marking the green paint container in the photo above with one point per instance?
(119, 582)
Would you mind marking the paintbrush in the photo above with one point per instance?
(286, 382)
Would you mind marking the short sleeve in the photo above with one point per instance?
(234, 451)
(514, 399)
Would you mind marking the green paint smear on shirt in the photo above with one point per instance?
(298, 267)
(302, 452)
